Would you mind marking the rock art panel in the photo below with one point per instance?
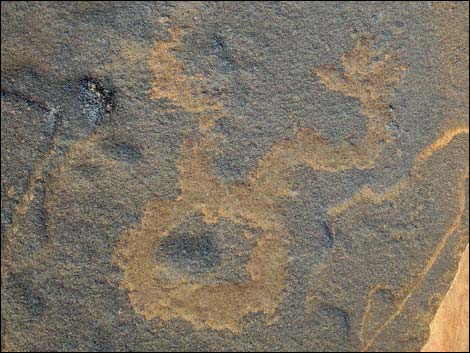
(231, 176)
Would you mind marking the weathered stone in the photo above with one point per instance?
(231, 176)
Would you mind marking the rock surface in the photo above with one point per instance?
(449, 328)
(236, 176)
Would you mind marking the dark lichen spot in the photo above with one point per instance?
(223, 52)
(216, 253)
(196, 253)
(97, 100)
(394, 127)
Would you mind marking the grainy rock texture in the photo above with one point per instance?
(449, 328)
(201, 176)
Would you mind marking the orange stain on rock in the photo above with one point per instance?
(449, 328)
(421, 170)
(256, 203)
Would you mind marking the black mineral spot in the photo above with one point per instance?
(197, 253)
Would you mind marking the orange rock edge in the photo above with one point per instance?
(450, 326)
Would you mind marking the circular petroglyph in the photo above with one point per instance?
(178, 267)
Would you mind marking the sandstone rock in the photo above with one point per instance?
(236, 176)
(449, 328)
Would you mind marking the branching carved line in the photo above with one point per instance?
(256, 203)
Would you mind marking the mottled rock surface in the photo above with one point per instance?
(231, 176)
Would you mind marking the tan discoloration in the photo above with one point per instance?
(442, 141)
(170, 80)
(421, 172)
(368, 75)
(367, 323)
(256, 203)
(403, 186)
(11, 191)
(449, 328)
(310, 297)
(215, 306)
(421, 165)
(36, 176)
(361, 77)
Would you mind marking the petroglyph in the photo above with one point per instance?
(367, 75)
(363, 78)
(414, 188)
(234, 176)
(380, 300)
(420, 173)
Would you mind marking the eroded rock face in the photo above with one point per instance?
(449, 328)
(231, 176)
